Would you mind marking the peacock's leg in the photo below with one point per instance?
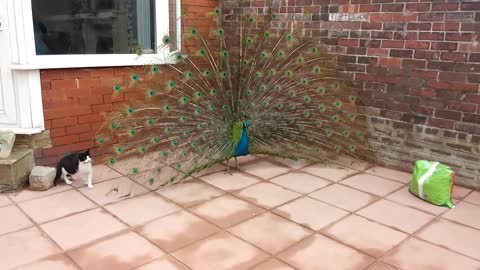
(236, 164)
(228, 167)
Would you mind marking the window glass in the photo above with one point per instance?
(94, 26)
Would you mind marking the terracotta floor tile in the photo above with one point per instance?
(12, 220)
(100, 173)
(226, 211)
(396, 215)
(164, 263)
(372, 184)
(229, 182)
(368, 236)
(267, 195)
(344, 197)
(311, 213)
(79, 229)
(456, 237)
(474, 198)
(300, 182)
(460, 192)
(403, 196)
(400, 176)
(351, 162)
(417, 254)
(215, 168)
(264, 169)
(270, 232)
(295, 164)
(382, 266)
(23, 247)
(272, 264)
(26, 194)
(105, 192)
(122, 252)
(330, 171)
(56, 206)
(177, 230)
(465, 213)
(190, 193)
(4, 200)
(319, 252)
(221, 251)
(141, 209)
(56, 262)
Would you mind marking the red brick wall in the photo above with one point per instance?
(76, 100)
(417, 65)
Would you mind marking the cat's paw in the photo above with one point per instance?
(68, 182)
(90, 186)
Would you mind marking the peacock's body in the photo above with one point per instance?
(246, 88)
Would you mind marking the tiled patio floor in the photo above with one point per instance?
(274, 215)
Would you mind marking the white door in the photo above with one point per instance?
(8, 113)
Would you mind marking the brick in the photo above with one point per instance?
(470, 6)
(76, 73)
(472, 118)
(65, 140)
(411, 44)
(86, 136)
(393, 7)
(401, 53)
(394, 26)
(416, 7)
(405, 35)
(459, 106)
(453, 76)
(472, 98)
(431, 17)
(444, 6)
(64, 84)
(440, 65)
(371, 26)
(473, 78)
(64, 122)
(453, 56)
(370, 8)
(441, 123)
(392, 44)
(78, 128)
(444, 46)
(63, 112)
(348, 42)
(431, 36)
(430, 55)
(390, 62)
(419, 26)
(382, 34)
(90, 118)
(101, 72)
(450, 26)
(57, 132)
(411, 63)
(468, 128)
(381, 17)
(51, 74)
(377, 52)
(474, 57)
(447, 114)
(423, 110)
(459, 36)
(467, 67)
(372, 43)
(404, 17)
(473, 27)
(426, 74)
(357, 50)
(459, 16)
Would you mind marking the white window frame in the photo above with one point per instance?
(28, 59)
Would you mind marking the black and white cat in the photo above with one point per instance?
(76, 163)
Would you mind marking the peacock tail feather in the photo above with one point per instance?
(286, 84)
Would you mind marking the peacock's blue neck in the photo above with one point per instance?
(242, 146)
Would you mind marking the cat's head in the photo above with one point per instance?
(85, 157)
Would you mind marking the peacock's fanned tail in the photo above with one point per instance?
(285, 83)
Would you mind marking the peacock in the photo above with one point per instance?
(254, 84)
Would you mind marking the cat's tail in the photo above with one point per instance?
(58, 174)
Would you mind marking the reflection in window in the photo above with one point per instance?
(94, 26)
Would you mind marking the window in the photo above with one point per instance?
(93, 33)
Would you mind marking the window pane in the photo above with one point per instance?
(94, 26)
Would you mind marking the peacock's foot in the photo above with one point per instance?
(237, 168)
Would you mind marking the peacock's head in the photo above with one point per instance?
(246, 124)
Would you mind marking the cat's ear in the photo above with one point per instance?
(87, 152)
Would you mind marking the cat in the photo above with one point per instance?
(75, 163)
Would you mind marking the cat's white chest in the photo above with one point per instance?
(85, 168)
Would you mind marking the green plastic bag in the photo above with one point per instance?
(433, 182)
